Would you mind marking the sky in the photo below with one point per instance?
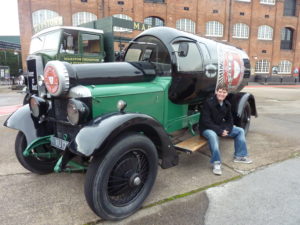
(9, 19)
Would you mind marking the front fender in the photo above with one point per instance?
(22, 120)
(102, 131)
(246, 97)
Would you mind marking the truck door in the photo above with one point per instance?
(69, 50)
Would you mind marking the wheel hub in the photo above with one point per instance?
(135, 180)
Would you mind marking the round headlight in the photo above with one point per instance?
(56, 78)
(77, 111)
(38, 106)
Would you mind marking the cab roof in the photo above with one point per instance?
(68, 28)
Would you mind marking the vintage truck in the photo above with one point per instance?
(120, 120)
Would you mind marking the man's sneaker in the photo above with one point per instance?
(217, 168)
(242, 159)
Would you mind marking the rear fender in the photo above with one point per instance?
(99, 134)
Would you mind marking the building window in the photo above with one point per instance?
(40, 16)
(243, 0)
(186, 25)
(124, 17)
(214, 29)
(267, 16)
(242, 14)
(240, 30)
(215, 11)
(83, 17)
(154, 1)
(264, 51)
(286, 38)
(289, 8)
(120, 3)
(265, 32)
(267, 2)
(262, 66)
(154, 21)
(285, 67)
(186, 8)
(84, 0)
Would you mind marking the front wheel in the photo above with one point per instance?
(118, 183)
(39, 165)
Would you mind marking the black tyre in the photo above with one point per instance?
(118, 183)
(246, 118)
(38, 165)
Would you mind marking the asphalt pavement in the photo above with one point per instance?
(186, 194)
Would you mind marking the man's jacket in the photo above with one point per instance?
(216, 117)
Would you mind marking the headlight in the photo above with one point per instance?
(77, 111)
(38, 106)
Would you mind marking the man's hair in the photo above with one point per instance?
(222, 87)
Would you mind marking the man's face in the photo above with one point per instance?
(221, 94)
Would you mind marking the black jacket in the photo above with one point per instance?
(216, 117)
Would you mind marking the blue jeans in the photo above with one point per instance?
(240, 147)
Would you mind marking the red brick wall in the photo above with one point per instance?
(200, 11)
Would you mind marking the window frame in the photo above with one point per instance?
(267, 2)
(262, 66)
(240, 28)
(285, 67)
(121, 29)
(79, 18)
(37, 15)
(186, 25)
(265, 33)
(214, 29)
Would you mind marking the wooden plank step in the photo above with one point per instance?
(192, 144)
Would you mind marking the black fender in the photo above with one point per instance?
(96, 137)
(238, 102)
(22, 120)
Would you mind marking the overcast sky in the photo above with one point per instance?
(9, 19)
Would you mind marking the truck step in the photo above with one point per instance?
(191, 145)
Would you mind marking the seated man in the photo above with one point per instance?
(216, 120)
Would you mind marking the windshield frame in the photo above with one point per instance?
(40, 43)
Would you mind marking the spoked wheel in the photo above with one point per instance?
(39, 165)
(246, 118)
(118, 183)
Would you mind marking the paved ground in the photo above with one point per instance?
(59, 198)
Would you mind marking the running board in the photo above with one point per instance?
(191, 145)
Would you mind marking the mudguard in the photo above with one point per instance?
(22, 120)
(100, 133)
(246, 97)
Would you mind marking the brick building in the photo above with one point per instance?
(266, 29)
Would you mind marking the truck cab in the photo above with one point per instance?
(76, 45)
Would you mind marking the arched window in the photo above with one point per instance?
(214, 29)
(285, 67)
(42, 15)
(83, 17)
(124, 17)
(186, 25)
(154, 21)
(268, 2)
(265, 32)
(240, 30)
(262, 66)
(287, 38)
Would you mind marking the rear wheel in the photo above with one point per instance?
(39, 165)
(118, 183)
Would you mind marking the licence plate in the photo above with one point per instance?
(58, 143)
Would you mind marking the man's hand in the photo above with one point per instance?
(225, 133)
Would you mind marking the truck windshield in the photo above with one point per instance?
(45, 42)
